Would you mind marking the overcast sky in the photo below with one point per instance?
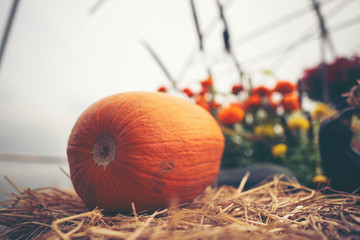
(60, 57)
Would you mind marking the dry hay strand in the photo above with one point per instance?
(275, 209)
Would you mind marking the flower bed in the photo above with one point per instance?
(263, 124)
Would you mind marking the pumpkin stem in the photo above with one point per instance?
(103, 151)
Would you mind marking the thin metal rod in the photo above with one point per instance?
(282, 59)
(226, 34)
(322, 25)
(8, 28)
(97, 6)
(284, 48)
(226, 38)
(198, 31)
(324, 39)
(160, 63)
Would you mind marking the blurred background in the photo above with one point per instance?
(60, 56)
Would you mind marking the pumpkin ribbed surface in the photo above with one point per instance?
(152, 149)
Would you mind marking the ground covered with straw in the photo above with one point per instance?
(276, 209)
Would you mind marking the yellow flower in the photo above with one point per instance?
(268, 130)
(321, 110)
(265, 130)
(279, 150)
(298, 122)
(320, 179)
(258, 130)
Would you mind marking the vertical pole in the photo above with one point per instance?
(198, 31)
(227, 45)
(324, 39)
(8, 28)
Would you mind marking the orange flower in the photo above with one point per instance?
(188, 92)
(162, 89)
(290, 102)
(237, 88)
(239, 104)
(253, 102)
(261, 90)
(230, 115)
(284, 87)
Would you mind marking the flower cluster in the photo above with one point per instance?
(263, 124)
(340, 75)
(204, 97)
(283, 98)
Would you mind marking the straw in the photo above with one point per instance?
(276, 209)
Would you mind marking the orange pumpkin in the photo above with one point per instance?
(152, 149)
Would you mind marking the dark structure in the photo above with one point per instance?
(339, 161)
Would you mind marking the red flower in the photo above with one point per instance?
(162, 89)
(201, 101)
(214, 105)
(262, 91)
(203, 91)
(290, 102)
(230, 115)
(207, 83)
(284, 87)
(188, 92)
(340, 74)
(237, 88)
(253, 102)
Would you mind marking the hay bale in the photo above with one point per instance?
(275, 209)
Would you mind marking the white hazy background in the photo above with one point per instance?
(60, 57)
